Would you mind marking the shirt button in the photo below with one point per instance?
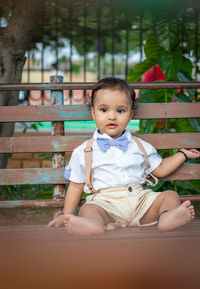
(130, 189)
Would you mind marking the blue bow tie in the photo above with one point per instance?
(105, 143)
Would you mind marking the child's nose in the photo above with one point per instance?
(112, 115)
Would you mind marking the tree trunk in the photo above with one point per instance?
(15, 40)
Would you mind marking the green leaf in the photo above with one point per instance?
(170, 63)
(34, 126)
(167, 32)
(181, 97)
(184, 187)
(84, 195)
(158, 95)
(195, 184)
(147, 126)
(139, 69)
(184, 76)
(195, 123)
(159, 186)
(163, 186)
(186, 65)
(43, 196)
(151, 48)
(182, 125)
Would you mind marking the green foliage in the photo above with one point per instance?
(182, 187)
(163, 48)
(76, 67)
(169, 63)
(31, 125)
(152, 48)
(167, 32)
(27, 192)
(139, 69)
(169, 126)
(160, 95)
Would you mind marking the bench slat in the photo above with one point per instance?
(60, 203)
(31, 204)
(167, 110)
(172, 140)
(81, 112)
(185, 172)
(55, 175)
(68, 143)
(32, 176)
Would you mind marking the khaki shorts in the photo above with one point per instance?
(125, 204)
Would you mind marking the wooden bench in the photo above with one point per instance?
(58, 143)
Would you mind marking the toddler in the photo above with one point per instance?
(114, 166)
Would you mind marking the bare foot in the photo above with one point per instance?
(176, 217)
(81, 225)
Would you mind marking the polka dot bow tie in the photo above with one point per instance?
(105, 143)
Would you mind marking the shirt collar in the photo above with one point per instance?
(98, 135)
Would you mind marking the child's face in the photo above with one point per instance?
(112, 111)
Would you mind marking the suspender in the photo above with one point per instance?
(88, 164)
(138, 142)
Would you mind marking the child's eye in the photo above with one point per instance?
(103, 109)
(121, 110)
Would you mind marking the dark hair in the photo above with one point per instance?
(114, 83)
(55, 65)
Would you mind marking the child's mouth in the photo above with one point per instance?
(111, 125)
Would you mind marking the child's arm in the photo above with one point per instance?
(171, 163)
(72, 199)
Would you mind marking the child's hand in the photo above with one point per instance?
(192, 153)
(57, 222)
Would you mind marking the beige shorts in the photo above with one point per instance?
(125, 204)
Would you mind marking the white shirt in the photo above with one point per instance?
(58, 72)
(114, 167)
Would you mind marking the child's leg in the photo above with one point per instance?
(169, 211)
(91, 220)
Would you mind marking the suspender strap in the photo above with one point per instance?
(140, 145)
(138, 142)
(88, 164)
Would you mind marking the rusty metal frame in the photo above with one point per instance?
(89, 85)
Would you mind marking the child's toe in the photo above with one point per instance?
(186, 204)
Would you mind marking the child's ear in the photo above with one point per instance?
(131, 114)
(92, 112)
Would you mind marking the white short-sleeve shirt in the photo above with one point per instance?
(114, 167)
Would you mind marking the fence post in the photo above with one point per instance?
(57, 129)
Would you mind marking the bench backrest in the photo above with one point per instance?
(58, 143)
